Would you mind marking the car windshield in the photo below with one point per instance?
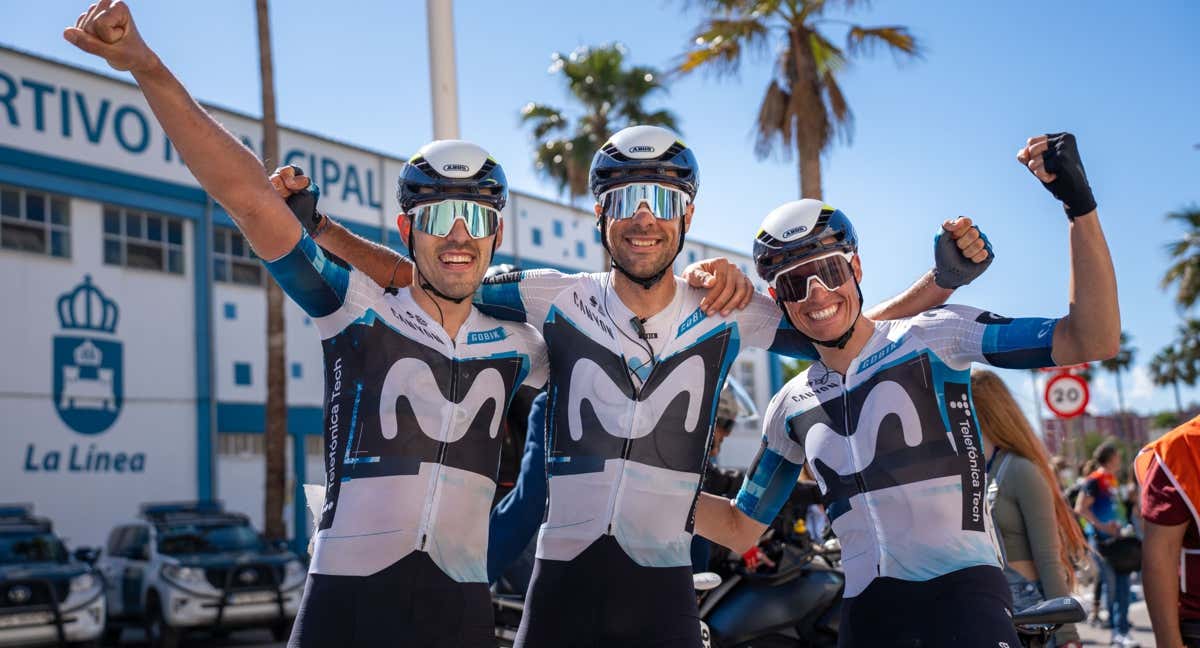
(31, 547)
(196, 538)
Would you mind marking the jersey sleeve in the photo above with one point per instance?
(539, 360)
(1161, 501)
(521, 296)
(773, 473)
(333, 296)
(961, 335)
(763, 326)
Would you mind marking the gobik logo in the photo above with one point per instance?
(88, 379)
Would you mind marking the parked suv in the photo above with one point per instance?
(46, 594)
(189, 566)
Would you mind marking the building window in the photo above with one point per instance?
(230, 311)
(597, 233)
(233, 444)
(241, 373)
(233, 260)
(144, 241)
(34, 222)
(691, 256)
(536, 233)
(297, 370)
(580, 250)
(558, 229)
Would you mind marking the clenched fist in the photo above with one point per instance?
(106, 29)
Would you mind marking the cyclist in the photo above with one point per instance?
(637, 361)
(417, 382)
(884, 420)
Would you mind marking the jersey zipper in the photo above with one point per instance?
(612, 507)
(861, 483)
(431, 501)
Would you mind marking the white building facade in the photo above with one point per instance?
(133, 335)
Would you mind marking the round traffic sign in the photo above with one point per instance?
(1067, 395)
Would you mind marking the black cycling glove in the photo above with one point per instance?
(304, 206)
(953, 270)
(1071, 184)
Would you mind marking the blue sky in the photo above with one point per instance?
(934, 138)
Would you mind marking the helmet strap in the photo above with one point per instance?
(645, 282)
(428, 287)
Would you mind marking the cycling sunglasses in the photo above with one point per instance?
(438, 218)
(831, 271)
(667, 203)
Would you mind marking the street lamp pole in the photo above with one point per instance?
(443, 84)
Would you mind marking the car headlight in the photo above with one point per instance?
(83, 583)
(184, 575)
(294, 572)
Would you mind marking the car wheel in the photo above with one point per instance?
(282, 630)
(159, 633)
(111, 636)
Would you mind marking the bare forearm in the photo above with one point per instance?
(220, 162)
(918, 298)
(719, 520)
(382, 264)
(1160, 581)
(1092, 328)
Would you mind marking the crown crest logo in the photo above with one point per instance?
(87, 308)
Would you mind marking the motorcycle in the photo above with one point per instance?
(794, 602)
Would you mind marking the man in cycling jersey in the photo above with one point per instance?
(637, 362)
(884, 420)
(417, 382)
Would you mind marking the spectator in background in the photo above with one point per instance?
(1169, 473)
(1097, 503)
(1039, 535)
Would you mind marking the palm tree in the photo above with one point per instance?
(275, 433)
(612, 97)
(1184, 271)
(1121, 362)
(1170, 366)
(803, 105)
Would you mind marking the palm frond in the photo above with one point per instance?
(898, 40)
(843, 117)
(774, 126)
(719, 44)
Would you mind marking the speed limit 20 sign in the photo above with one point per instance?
(1067, 395)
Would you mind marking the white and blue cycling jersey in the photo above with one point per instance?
(412, 420)
(894, 444)
(631, 406)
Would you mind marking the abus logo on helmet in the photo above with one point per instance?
(642, 148)
(795, 230)
(455, 167)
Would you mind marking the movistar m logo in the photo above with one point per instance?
(413, 380)
(611, 405)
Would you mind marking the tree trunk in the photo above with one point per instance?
(1178, 401)
(276, 413)
(1120, 404)
(812, 122)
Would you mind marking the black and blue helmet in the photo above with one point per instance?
(446, 169)
(644, 154)
(798, 230)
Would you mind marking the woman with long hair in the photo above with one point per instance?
(1039, 534)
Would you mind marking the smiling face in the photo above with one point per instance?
(644, 244)
(455, 263)
(827, 314)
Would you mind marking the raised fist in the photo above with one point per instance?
(1054, 159)
(106, 29)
